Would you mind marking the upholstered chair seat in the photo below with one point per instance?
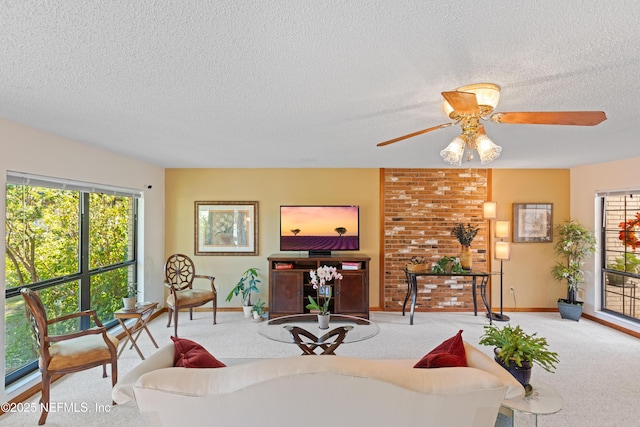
(83, 350)
(189, 297)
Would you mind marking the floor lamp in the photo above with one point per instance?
(502, 251)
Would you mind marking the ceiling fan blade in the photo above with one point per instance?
(462, 102)
(420, 132)
(575, 118)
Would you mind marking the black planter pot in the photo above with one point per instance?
(570, 311)
(520, 373)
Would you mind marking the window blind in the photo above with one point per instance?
(19, 178)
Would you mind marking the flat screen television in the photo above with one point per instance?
(319, 229)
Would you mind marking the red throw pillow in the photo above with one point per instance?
(448, 354)
(190, 354)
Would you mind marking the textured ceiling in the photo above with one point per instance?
(286, 83)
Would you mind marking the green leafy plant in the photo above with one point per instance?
(132, 290)
(248, 283)
(515, 344)
(448, 264)
(628, 263)
(575, 242)
(465, 233)
(258, 307)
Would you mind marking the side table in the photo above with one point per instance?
(142, 313)
(543, 400)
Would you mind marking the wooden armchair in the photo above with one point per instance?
(179, 274)
(73, 352)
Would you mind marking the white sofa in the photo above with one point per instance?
(317, 391)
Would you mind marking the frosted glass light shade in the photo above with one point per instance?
(502, 229)
(486, 94)
(502, 251)
(489, 210)
(454, 152)
(487, 150)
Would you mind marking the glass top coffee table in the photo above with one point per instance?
(303, 330)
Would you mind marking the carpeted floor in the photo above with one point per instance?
(598, 374)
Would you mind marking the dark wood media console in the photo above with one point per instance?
(289, 284)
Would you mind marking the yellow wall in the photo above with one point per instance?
(528, 270)
(270, 188)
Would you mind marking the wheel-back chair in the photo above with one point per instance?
(179, 274)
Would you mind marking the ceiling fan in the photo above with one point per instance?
(468, 105)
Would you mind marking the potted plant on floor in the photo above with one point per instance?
(248, 283)
(465, 235)
(517, 351)
(257, 310)
(575, 242)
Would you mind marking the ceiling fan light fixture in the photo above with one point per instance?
(487, 94)
(487, 150)
(454, 151)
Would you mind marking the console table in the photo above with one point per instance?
(412, 287)
(290, 284)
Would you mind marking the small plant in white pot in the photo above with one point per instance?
(131, 298)
(257, 310)
(248, 283)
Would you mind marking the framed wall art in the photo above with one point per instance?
(532, 222)
(226, 228)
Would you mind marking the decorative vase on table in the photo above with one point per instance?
(465, 235)
(465, 257)
(323, 320)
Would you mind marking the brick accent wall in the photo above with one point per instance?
(419, 208)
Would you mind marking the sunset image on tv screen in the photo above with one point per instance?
(318, 228)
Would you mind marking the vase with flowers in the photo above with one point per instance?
(319, 279)
(465, 235)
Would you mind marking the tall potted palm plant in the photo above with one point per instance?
(574, 243)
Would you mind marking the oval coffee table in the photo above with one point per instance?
(302, 330)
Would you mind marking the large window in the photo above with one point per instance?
(76, 247)
(620, 261)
